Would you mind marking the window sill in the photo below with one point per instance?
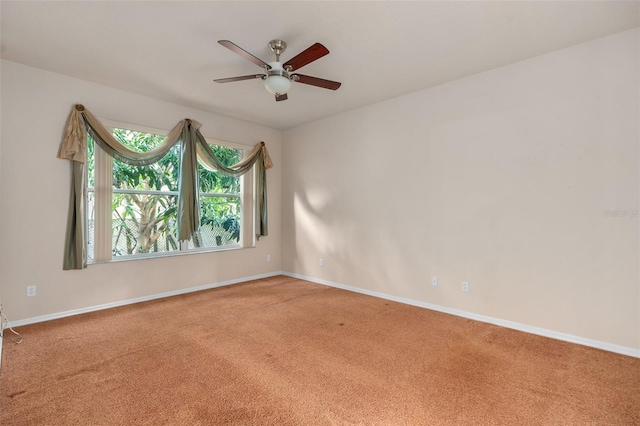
(132, 257)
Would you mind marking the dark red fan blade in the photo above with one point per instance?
(281, 97)
(240, 51)
(305, 57)
(240, 78)
(315, 81)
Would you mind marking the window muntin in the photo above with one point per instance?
(143, 202)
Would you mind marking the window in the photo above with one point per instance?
(219, 202)
(131, 210)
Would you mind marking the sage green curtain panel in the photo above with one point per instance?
(75, 247)
(194, 148)
(188, 207)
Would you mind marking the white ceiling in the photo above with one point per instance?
(379, 50)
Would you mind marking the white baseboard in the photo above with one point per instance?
(64, 314)
(624, 350)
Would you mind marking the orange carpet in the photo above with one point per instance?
(282, 351)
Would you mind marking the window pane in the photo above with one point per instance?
(219, 216)
(90, 214)
(91, 163)
(160, 176)
(138, 141)
(144, 223)
(220, 221)
(216, 183)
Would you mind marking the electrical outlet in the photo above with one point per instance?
(465, 287)
(31, 290)
(321, 262)
(434, 281)
(268, 258)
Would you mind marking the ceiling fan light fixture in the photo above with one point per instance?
(277, 84)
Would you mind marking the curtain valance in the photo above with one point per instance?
(193, 147)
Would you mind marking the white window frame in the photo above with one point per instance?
(103, 191)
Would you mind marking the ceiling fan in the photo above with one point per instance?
(278, 76)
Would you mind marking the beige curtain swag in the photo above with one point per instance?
(193, 148)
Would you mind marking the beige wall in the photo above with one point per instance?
(35, 187)
(1, 213)
(502, 179)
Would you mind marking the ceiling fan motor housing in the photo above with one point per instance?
(277, 47)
